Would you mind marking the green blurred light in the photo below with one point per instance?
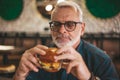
(103, 8)
(10, 9)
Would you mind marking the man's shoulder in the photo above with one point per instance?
(94, 51)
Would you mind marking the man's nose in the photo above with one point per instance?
(62, 29)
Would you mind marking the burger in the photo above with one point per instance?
(47, 61)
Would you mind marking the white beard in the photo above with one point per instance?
(70, 43)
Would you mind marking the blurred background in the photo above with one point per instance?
(25, 23)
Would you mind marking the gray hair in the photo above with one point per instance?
(71, 4)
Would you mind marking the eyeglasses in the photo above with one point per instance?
(69, 25)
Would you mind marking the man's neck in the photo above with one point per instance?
(76, 44)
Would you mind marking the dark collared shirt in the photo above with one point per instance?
(96, 60)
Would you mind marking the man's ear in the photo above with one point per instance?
(82, 28)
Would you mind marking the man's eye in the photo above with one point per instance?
(70, 24)
(56, 24)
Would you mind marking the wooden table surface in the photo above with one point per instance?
(6, 50)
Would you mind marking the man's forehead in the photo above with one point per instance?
(64, 14)
(65, 9)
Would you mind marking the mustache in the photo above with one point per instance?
(62, 36)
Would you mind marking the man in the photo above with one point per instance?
(86, 62)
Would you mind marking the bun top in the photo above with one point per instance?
(49, 57)
(53, 50)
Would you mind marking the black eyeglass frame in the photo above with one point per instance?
(52, 29)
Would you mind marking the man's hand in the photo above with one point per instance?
(75, 63)
(29, 62)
